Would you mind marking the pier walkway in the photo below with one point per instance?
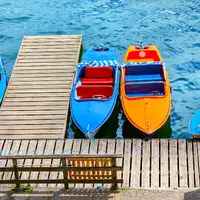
(146, 164)
(37, 98)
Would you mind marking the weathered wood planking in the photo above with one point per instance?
(49, 149)
(126, 164)
(164, 163)
(56, 162)
(183, 170)
(136, 163)
(155, 169)
(146, 164)
(173, 164)
(41, 79)
(150, 164)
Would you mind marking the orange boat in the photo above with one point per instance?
(145, 89)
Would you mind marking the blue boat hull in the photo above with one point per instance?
(3, 81)
(194, 126)
(89, 115)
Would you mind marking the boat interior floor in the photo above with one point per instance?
(144, 80)
(97, 82)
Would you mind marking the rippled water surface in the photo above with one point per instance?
(173, 25)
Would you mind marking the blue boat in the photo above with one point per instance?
(95, 89)
(3, 80)
(194, 126)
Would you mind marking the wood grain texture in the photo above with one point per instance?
(42, 77)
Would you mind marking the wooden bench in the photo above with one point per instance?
(75, 168)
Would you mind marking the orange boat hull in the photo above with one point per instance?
(147, 113)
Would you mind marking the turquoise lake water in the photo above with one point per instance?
(173, 26)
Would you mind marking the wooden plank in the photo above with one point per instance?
(56, 56)
(5, 146)
(49, 50)
(155, 169)
(126, 164)
(119, 150)
(32, 127)
(1, 147)
(173, 164)
(51, 37)
(54, 41)
(38, 151)
(22, 132)
(46, 60)
(42, 117)
(55, 75)
(22, 151)
(92, 150)
(182, 163)
(146, 164)
(34, 112)
(68, 169)
(13, 151)
(5, 151)
(41, 83)
(34, 103)
(28, 162)
(84, 150)
(62, 53)
(76, 150)
(190, 161)
(136, 163)
(56, 162)
(50, 71)
(32, 136)
(33, 108)
(196, 163)
(36, 78)
(41, 90)
(46, 44)
(54, 181)
(30, 95)
(102, 151)
(32, 122)
(110, 151)
(66, 151)
(49, 148)
(41, 87)
(36, 99)
(164, 173)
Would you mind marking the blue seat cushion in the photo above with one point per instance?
(143, 95)
(144, 70)
(144, 89)
(149, 77)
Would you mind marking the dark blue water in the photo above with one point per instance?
(174, 26)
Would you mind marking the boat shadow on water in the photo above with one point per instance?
(108, 130)
(129, 131)
(118, 126)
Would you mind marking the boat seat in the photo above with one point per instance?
(149, 77)
(98, 81)
(144, 69)
(143, 95)
(88, 91)
(144, 89)
(98, 72)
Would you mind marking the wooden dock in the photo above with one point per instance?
(146, 164)
(37, 98)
